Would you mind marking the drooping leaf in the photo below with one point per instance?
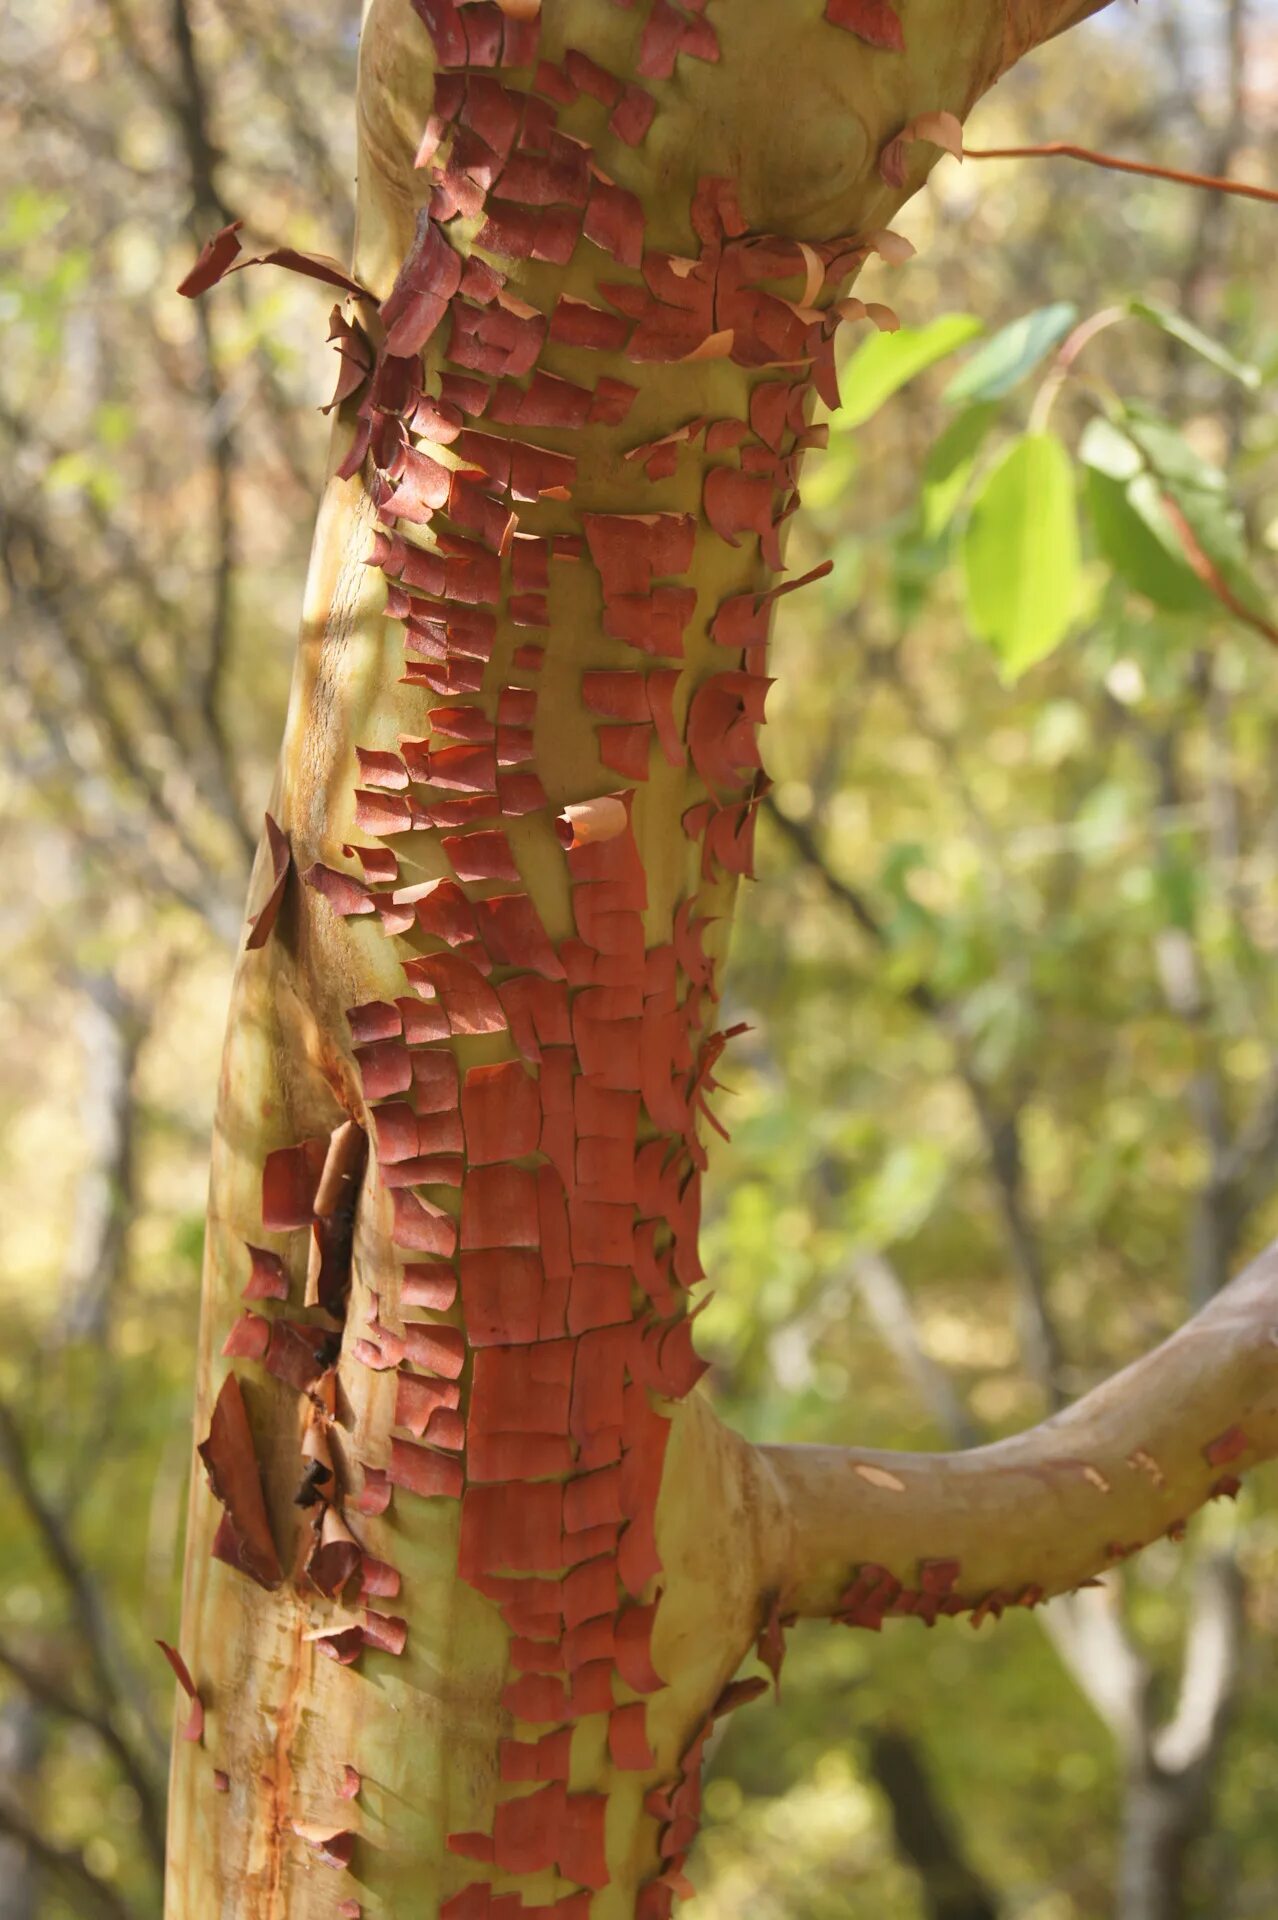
(1136, 538)
(885, 362)
(949, 466)
(1131, 526)
(1176, 325)
(1168, 453)
(1021, 554)
(1016, 350)
(1163, 517)
(1182, 486)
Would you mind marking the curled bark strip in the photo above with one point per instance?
(216, 257)
(591, 821)
(263, 920)
(267, 1279)
(193, 1728)
(220, 256)
(940, 129)
(290, 1177)
(336, 1197)
(334, 1849)
(230, 1459)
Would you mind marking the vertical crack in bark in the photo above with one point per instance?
(278, 1788)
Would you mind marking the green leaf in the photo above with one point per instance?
(1167, 451)
(886, 361)
(1110, 451)
(1193, 337)
(949, 467)
(1199, 490)
(1020, 554)
(1132, 528)
(1006, 359)
(1135, 536)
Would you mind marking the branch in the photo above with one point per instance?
(1000, 1132)
(1047, 1510)
(67, 1863)
(111, 1036)
(110, 1670)
(44, 1691)
(890, 1309)
(1189, 1742)
(1091, 1638)
(22, 1744)
(1170, 1776)
(924, 1834)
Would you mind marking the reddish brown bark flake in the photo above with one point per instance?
(376, 1493)
(428, 1286)
(628, 1740)
(216, 256)
(335, 1558)
(290, 1178)
(873, 21)
(423, 1471)
(385, 1631)
(220, 256)
(378, 1580)
(230, 1459)
(248, 1338)
(268, 1279)
(193, 1727)
(263, 920)
(343, 1646)
(1226, 1447)
(939, 129)
(501, 1113)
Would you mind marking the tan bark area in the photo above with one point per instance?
(797, 114)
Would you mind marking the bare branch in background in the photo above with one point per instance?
(48, 1693)
(999, 1130)
(107, 1662)
(925, 1835)
(93, 1894)
(1170, 1779)
(110, 1035)
(22, 1738)
(889, 1308)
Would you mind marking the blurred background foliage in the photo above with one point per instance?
(1008, 1106)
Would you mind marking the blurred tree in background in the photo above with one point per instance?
(1009, 1102)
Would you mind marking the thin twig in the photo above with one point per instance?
(1065, 149)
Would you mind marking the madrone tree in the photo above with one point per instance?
(471, 1563)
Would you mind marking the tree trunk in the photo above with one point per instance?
(472, 1567)
(1158, 1825)
(950, 1887)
